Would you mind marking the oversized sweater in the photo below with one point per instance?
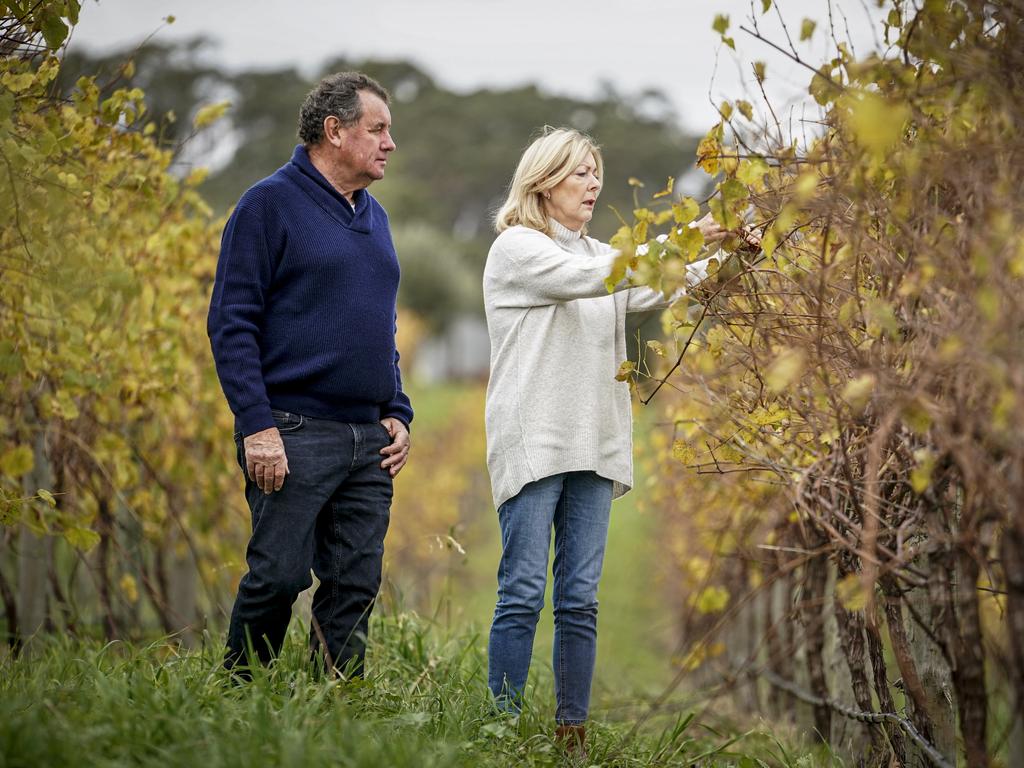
(302, 316)
(557, 340)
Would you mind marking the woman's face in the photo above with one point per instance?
(571, 202)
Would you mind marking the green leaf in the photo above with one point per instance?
(765, 6)
(712, 599)
(54, 30)
(46, 496)
(6, 105)
(745, 108)
(721, 24)
(82, 539)
(759, 71)
(17, 461)
(807, 29)
(752, 171)
(733, 191)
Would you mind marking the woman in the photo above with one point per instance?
(559, 443)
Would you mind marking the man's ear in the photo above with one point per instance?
(333, 131)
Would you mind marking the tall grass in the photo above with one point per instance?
(424, 703)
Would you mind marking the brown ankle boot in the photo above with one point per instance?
(573, 739)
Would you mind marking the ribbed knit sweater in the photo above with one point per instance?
(557, 340)
(302, 316)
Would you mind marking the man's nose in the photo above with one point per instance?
(389, 143)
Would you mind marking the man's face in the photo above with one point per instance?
(366, 145)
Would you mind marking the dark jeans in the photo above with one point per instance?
(331, 515)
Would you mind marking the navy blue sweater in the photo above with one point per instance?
(302, 317)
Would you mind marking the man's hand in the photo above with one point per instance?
(265, 459)
(398, 452)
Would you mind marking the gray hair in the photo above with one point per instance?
(336, 95)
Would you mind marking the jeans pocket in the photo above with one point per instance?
(287, 422)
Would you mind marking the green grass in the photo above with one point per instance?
(424, 704)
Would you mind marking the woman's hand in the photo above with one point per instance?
(715, 233)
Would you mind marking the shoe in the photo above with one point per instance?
(573, 739)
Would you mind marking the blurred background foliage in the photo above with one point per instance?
(456, 151)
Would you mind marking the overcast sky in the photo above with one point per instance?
(562, 45)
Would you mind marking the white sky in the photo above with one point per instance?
(564, 46)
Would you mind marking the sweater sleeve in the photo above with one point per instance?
(399, 406)
(234, 323)
(642, 299)
(526, 268)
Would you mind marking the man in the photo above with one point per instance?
(302, 327)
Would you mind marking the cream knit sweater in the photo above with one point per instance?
(557, 340)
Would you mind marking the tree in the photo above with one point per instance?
(111, 418)
(852, 397)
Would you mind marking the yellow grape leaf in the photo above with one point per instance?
(851, 593)
(877, 123)
(807, 29)
(752, 171)
(17, 83)
(686, 210)
(17, 461)
(626, 369)
(759, 70)
(785, 370)
(210, 114)
(129, 588)
(82, 539)
(709, 152)
(916, 416)
(619, 267)
(197, 176)
(683, 452)
(805, 184)
(858, 391)
(721, 23)
(745, 109)
(656, 347)
(921, 475)
(711, 599)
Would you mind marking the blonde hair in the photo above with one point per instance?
(546, 163)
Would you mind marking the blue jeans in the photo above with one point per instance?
(331, 515)
(577, 504)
